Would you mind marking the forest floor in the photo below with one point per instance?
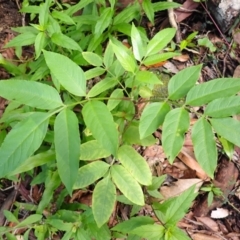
(202, 222)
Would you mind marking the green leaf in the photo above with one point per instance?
(160, 6)
(102, 86)
(134, 222)
(149, 10)
(175, 125)
(44, 14)
(22, 141)
(29, 220)
(204, 144)
(206, 42)
(127, 184)
(154, 231)
(157, 182)
(52, 181)
(228, 128)
(89, 173)
(132, 136)
(94, 72)
(104, 21)
(127, 15)
(152, 117)
(76, 7)
(223, 107)
(139, 47)
(34, 161)
(93, 58)
(100, 122)
(92, 150)
(147, 77)
(40, 43)
(159, 57)
(67, 72)
(183, 81)
(23, 39)
(174, 209)
(33, 94)
(114, 99)
(63, 40)
(108, 56)
(10, 216)
(175, 233)
(135, 164)
(217, 88)
(160, 41)
(228, 147)
(104, 197)
(67, 142)
(124, 56)
(63, 17)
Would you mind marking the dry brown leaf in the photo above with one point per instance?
(176, 188)
(182, 58)
(171, 67)
(188, 5)
(208, 222)
(202, 236)
(188, 158)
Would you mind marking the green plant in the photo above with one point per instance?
(184, 44)
(72, 113)
(212, 191)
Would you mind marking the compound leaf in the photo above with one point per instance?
(67, 142)
(104, 197)
(100, 122)
(204, 144)
(217, 88)
(127, 184)
(175, 125)
(33, 94)
(135, 164)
